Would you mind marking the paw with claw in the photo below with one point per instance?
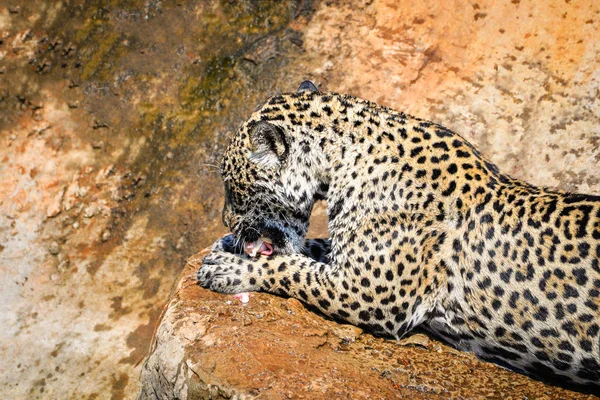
(225, 272)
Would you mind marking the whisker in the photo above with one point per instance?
(211, 166)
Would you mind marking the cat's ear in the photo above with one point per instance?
(307, 86)
(269, 147)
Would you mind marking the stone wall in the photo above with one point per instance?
(113, 115)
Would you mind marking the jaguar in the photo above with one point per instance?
(424, 232)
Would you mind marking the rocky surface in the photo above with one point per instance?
(210, 345)
(113, 116)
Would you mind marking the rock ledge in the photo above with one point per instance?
(211, 346)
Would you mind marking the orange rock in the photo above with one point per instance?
(210, 345)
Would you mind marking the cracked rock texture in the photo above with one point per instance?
(113, 116)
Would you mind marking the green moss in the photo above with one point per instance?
(102, 59)
(211, 92)
(257, 17)
(246, 22)
(202, 93)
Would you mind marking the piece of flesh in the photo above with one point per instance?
(262, 246)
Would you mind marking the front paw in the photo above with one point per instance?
(226, 273)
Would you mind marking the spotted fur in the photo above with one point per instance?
(424, 232)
